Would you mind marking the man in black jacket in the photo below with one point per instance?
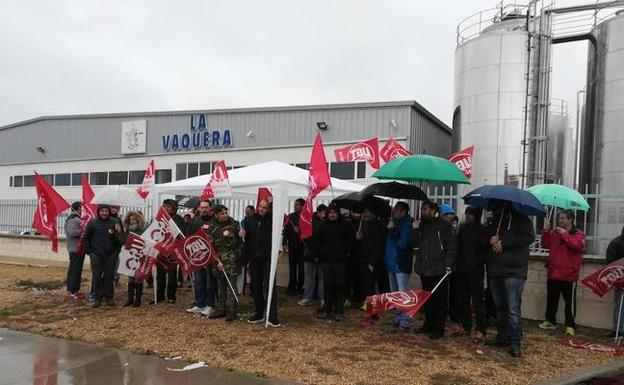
(615, 251)
(436, 250)
(311, 264)
(507, 267)
(205, 281)
(167, 276)
(470, 269)
(335, 240)
(101, 242)
(295, 250)
(257, 251)
(369, 253)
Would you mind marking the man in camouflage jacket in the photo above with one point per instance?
(225, 238)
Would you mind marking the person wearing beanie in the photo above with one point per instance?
(73, 234)
(102, 244)
(133, 223)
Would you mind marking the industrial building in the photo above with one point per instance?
(115, 149)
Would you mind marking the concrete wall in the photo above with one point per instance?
(592, 310)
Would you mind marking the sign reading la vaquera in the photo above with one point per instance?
(199, 137)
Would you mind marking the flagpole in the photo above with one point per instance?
(617, 330)
(440, 282)
(155, 286)
(228, 281)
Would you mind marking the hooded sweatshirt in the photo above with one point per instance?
(398, 255)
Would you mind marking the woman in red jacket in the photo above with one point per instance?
(566, 245)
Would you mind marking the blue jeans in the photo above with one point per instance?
(616, 311)
(400, 282)
(507, 295)
(205, 290)
(311, 270)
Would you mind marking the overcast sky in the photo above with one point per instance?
(70, 57)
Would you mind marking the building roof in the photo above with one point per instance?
(404, 103)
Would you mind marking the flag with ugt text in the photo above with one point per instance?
(367, 150)
(148, 181)
(408, 302)
(463, 160)
(137, 257)
(218, 185)
(318, 180)
(194, 252)
(49, 205)
(89, 212)
(606, 278)
(162, 231)
(392, 149)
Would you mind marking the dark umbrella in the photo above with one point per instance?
(395, 190)
(356, 201)
(522, 201)
(189, 202)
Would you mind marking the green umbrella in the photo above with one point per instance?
(559, 196)
(422, 168)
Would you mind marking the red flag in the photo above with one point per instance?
(163, 231)
(263, 194)
(89, 212)
(194, 252)
(367, 150)
(318, 180)
(408, 302)
(392, 149)
(219, 184)
(49, 205)
(614, 350)
(138, 257)
(463, 160)
(604, 279)
(148, 181)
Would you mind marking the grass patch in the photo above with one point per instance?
(50, 318)
(42, 285)
(327, 370)
(450, 379)
(26, 307)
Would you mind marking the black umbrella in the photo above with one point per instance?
(189, 202)
(356, 201)
(395, 190)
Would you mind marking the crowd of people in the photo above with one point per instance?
(478, 267)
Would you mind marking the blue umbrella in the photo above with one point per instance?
(522, 201)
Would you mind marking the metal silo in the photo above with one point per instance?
(558, 137)
(491, 71)
(603, 165)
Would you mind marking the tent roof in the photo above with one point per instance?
(245, 182)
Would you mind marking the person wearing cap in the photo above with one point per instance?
(168, 277)
(335, 241)
(101, 245)
(73, 234)
(470, 270)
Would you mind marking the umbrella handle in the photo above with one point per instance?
(500, 220)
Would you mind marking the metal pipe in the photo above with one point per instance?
(586, 7)
(577, 147)
(526, 100)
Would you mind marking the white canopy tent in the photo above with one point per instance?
(284, 181)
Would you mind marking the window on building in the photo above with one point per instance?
(136, 177)
(192, 170)
(98, 178)
(10, 181)
(162, 176)
(76, 178)
(62, 179)
(118, 177)
(29, 180)
(361, 170)
(343, 170)
(18, 181)
(49, 178)
(180, 171)
(205, 168)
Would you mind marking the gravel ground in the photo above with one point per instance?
(304, 349)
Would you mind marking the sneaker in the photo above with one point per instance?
(347, 303)
(255, 319)
(570, 331)
(478, 337)
(304, 302)
(207, 311)
(274, 323)
(91, 297)
(79, 296)
(515, 351)
(195, 309)
(547, 325)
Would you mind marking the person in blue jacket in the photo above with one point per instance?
(398, 257)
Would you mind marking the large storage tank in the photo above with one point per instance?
(490, 97)
(558, 136)
(604, 165)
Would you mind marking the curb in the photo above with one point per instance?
(610, 369)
